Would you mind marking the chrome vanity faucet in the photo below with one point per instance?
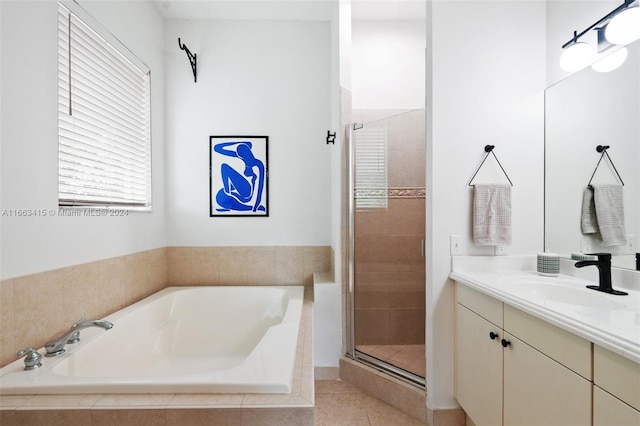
(56, 346)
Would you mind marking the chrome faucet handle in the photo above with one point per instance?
(32, 359)
(75, 337)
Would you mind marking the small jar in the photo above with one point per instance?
(548, 264)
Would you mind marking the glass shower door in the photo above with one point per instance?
(387, 215)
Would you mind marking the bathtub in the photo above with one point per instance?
(179, 340)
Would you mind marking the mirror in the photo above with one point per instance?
(583, 111)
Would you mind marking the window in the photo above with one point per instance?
(371, 168)
(104, 136)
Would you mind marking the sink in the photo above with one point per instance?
(562, 290)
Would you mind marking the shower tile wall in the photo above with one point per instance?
(389, 269)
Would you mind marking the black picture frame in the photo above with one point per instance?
(238, 176)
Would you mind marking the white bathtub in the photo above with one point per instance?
(179, 340)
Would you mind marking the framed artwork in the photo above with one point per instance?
(238, 176)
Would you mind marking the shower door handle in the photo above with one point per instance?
(422, 249)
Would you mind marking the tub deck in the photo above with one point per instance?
(295, 408)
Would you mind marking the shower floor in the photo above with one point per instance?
(411, 358)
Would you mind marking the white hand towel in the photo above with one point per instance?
(492, 215)
(588, 218)
(610, 212)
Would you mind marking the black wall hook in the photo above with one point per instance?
(331, 137)
(489, 150)
(193, 59)
(603, 150)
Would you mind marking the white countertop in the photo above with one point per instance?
(612, 322)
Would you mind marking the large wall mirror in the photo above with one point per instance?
(583, 111)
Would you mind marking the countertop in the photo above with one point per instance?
(612, 322)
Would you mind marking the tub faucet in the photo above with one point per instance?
(604, 273)
(56, 346)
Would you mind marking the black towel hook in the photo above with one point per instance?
(603, 149)
(193, 59)
(489, 150)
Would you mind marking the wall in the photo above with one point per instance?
(485, 84)
(388, 64)
(254, 78)
(29, 168)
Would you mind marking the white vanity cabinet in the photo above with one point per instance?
(514, 369)
(478, 366)
(616, 391)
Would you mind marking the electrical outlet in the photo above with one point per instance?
(585, 245)
(499, 250)
(456, 245)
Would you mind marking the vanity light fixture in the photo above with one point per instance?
(612, 61)
(624, 28)
(578, 55)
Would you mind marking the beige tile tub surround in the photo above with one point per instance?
(283, 265)
(38, 307)
(293, 409)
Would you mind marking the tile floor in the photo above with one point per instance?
(340, 404)
(407, 357)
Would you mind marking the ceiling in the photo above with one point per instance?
(378, 10)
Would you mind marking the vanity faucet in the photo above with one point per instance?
(56, 346)
(604, 273)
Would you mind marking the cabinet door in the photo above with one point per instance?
(609, 410)
(540, 391)
(478, 368)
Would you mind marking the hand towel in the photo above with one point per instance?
(588, 218)
(610, 213)
(491, 215)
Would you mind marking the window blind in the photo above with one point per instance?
(104, 136)
(371, 168)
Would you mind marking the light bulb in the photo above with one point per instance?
(624, 27)
(576, 57)
(612, 61)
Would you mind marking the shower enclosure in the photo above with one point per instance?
(386, 165)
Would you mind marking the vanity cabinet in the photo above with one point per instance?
(616, 391)
(514, 369)
(478, 367)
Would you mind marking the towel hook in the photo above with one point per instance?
(193, 59)
(489, 150)
(603, 149)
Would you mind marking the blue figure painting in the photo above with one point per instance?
(241, 176)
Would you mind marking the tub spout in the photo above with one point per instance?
(56, 346)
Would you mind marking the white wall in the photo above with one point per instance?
(388, 66)
(486, 80)
(254, 78)
(29, 168)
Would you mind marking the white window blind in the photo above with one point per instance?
(371, 168)
(104, 137)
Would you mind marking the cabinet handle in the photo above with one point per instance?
(493, 335)
(505, 343)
